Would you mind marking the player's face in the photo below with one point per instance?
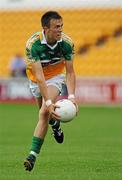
(55, 29)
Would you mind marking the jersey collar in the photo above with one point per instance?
(43, 41)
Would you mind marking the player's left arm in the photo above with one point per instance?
(70, 77)
(71, 81)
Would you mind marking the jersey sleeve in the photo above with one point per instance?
(69, 52)
(67, 48)
(32, 54)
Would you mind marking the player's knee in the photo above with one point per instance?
(43, 112)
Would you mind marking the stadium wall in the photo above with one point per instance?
(94, 91)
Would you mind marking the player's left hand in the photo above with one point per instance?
(75, 103)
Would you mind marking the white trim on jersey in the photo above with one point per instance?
(43, 41)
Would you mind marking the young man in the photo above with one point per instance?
(48, 52)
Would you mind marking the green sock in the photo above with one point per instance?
(36, 144)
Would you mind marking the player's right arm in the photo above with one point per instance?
(33, 60)
(38, 73)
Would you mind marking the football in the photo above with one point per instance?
(66, 110)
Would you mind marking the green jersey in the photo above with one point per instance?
(52, 58)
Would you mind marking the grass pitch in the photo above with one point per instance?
(92, 149)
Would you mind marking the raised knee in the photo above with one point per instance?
(44, 113)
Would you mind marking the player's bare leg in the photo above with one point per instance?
(40, 130)
(57, 132)
(39, 102)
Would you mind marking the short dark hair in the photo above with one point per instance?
(45, 20)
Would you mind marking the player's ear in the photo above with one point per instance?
(45, 28)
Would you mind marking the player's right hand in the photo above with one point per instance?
(52, 112)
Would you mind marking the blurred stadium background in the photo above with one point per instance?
(96, 29)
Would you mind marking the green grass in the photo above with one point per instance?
(92, 149)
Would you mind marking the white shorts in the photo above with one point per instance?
(56, 81)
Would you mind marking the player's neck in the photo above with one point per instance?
(51, 42)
